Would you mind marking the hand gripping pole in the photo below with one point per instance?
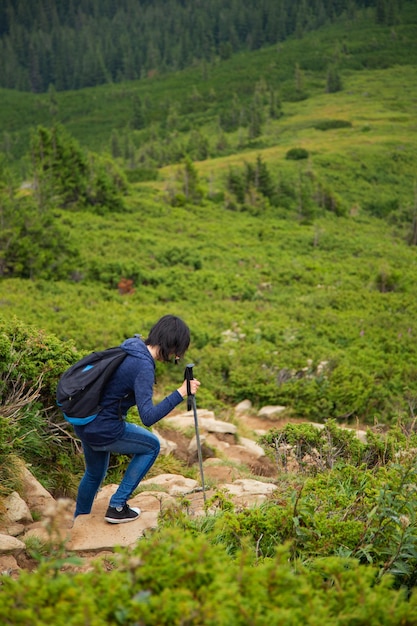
(191, 404)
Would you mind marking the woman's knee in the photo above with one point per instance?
(155, 444)
(144, 438)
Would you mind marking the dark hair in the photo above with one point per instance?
(171, 335)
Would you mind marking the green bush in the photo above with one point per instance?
(313, 447)
(67, 176)
(331, 124)
(176, 577)
(296, 154)
(141, 174)
(31, 426)
(34, 243)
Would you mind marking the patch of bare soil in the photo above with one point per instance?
(238, 454)
(182, 442)
(257, 423)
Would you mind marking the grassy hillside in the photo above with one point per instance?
(305, 299)
(200, 94)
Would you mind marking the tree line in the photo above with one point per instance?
(74, 44)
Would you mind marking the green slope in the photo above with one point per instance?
(271, 291)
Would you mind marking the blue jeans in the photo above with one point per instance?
(137, 441)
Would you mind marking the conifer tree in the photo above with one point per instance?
(191, 181)
(236, 184)
(275, 108)
(299, 93)
(33, 242)
(138, 117)
(333, 80)
(263, 178)
(60, 167)
(66, 176)
(380, 12)
(115, 147)
(256, 115)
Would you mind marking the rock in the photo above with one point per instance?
(208, 424)
(361, 435)
(217, 426)
(247, 491)
(105, 559)
(12, 529)
(243, 407)
(186, 415)
(174, 483)
(192, 446)
(156, 501)
(10, 545)
(57, 520)
(34, 494)
(166, 446)
(192, 451)
(252, 447)
(8, 565)
(249, 485)
(39, 531)
(246, 452)
(271, 411)
(92, 533)
(16, 509)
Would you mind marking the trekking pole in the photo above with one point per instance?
(191, 403)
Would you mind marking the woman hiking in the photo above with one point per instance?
(132, 383)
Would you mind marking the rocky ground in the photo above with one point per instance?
(233, 462)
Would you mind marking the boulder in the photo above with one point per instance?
(93, 534)
(17, 511)
(166, 446)
(10, 545)
(249, 492)
(205, 423)
(34, 494)
(271, 411)
(243, 407)
(175, 484)
(192, 450)
(57, 520)
(8, 565)
(252, 447)
(247, 451)
(38, 531)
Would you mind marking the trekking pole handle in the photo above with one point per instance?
(188, 376)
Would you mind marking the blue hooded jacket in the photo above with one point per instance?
(134, 378)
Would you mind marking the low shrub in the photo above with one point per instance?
(31, 427)
(296, 154)
(331, 124)
(175, 577)
(141, 174)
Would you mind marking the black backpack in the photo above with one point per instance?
(80, 386)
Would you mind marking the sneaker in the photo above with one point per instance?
(121, 514)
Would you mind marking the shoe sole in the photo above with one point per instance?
(114, 520)
(121, 521)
